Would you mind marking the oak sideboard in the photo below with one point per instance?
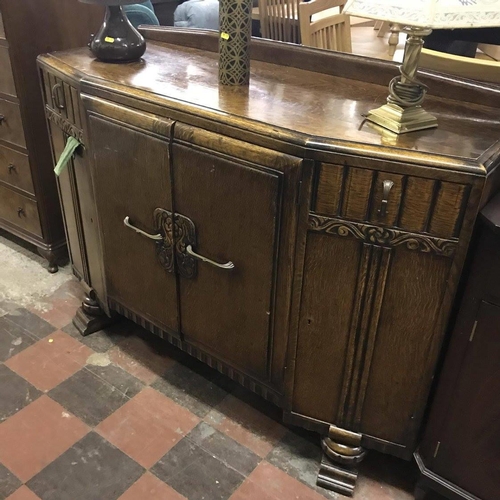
(271, 232)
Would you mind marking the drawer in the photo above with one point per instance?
(6, 78)
(15, 169)
(20, 211)
(410, 203)
(62, 98)
(11, 125)
(2, 29)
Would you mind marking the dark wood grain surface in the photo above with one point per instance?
(322, 108)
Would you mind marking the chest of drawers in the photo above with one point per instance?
(29, 202)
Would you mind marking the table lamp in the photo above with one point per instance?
(117, 40)
(403, 111)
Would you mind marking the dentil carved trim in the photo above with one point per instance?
(382, 236)
(66, 126)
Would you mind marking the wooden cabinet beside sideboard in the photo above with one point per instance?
(29, 203)
(316, 270)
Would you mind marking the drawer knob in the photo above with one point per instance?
(2, 118)
(20, 212)
(387, 186)
(11, 167)
(56, 95)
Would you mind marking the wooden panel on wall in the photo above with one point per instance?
(416, 204)
(331, 269)
(398, 381)
(329, 189)
(357, 193)
(448, 209)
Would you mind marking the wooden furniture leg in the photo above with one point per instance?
(54, 256)
(394, 38)
(342, 452)
(90, 318)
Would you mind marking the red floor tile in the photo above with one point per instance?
(23, 493)
(246, 425)
(267, 482)
(147, 426)
(137, 357)
(50, 361)
(36, 435)
(149, 487)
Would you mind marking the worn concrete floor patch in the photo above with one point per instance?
(24, 278)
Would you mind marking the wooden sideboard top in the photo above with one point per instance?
(296, 105)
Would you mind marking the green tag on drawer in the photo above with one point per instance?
(71, 145)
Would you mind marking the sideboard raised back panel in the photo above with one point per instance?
(247, 228)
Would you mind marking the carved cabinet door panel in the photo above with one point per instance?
(241, 201)
(131, 181)
(361, 363)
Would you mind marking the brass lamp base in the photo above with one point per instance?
(401, 120)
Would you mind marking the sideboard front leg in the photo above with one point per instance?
(90, 318)
(342, 451)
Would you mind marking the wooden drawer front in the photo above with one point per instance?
(11, 127)
(15, 169)
(411, 203)
(2, 29)
(62, 99)
(19, 210)
(6, 79)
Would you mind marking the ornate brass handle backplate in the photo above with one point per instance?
(179, 257)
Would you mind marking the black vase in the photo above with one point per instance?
(117, 40)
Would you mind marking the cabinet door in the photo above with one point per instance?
(469, 449)
(131, 179)
(69, 205)
(370, 327)
(237, 207)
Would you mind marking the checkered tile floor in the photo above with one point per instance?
(122, 415)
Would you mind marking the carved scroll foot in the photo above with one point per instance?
(90, 318)
(338, 470)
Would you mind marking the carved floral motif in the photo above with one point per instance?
(67, 127)
(383, 236)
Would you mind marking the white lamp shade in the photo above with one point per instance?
(429, 13)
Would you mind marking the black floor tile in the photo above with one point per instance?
(13, 339)
(30, 322)
(300, 458)
(94, 393)
(92, 469)
(8, 482)
(224, 448)
(15, 393)
(102, 340)
(190, 389)
(196, 474)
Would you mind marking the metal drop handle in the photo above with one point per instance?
(55, 96)
(227, 265)
(387, 186)
(156, 237)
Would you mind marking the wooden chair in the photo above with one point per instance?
(467, 67)
(322, 27)
(279, 20)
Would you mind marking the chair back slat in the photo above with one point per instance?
(323, 25)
